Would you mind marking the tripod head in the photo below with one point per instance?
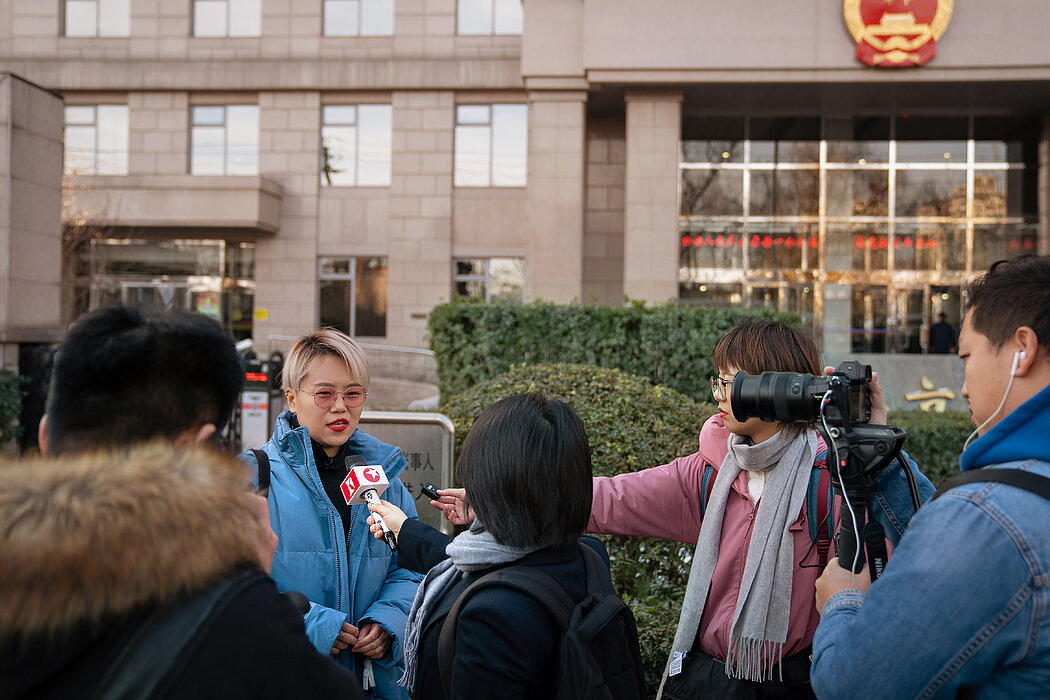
(856, 455)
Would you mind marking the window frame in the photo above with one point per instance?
(351, 277)
(485, 277)
(226, 155)
(494, 15)
(95, 148)
(97, 33)
(460, 166)
(228, 23)
(355, 158)
(361, 13)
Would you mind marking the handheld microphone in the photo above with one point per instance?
(363, 484)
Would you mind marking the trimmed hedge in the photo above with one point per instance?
(474, 341)
(10, 405)
(631, 424)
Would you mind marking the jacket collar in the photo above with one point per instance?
(1019, 436)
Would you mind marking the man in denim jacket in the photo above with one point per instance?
(964, 604)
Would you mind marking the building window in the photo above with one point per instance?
(96, 140)
(224, 140)
(212, 277)
(358, 17)
(488, 16)
(489, 278)
(491, 145)
(97, 18)
(227, 18)
(356, 145)
(353, 295)
(882, 218)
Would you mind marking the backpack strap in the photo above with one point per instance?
(1028, 481)
(166, 640)
(707, 482)
(263, 460)
(819, 497)
(525, 579)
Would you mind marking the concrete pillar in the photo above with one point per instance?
(31, 123)
(420, 226)
(650, 249)
(554, 267)
(603, 224)
(286, 264)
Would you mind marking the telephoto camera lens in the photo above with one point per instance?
(783, 397)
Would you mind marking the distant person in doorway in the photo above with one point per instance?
(943, 339)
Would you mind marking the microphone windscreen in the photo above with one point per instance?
(352, 461)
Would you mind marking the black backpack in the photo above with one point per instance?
(598, 652)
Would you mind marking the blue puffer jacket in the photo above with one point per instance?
(346, 581)
(965, 600)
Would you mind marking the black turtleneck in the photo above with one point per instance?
(333, 470)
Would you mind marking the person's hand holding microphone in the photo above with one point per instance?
(393, 516)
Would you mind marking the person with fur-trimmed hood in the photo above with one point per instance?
(100, 547)
(135, 572)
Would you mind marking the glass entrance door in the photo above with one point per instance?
(158, 293)
(916, 309)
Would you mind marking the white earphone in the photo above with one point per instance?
(1018, 356)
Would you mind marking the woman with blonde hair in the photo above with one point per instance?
(359, 596)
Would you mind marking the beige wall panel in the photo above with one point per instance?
(490, 217)
(288, 298)
(420, 230)
(651, 194)
(555, 176)
(31, 122)
(804, 34)
(604, 217)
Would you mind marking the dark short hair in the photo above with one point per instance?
(1013, 293)
(767, 346)
(126, 375)
(526, 468)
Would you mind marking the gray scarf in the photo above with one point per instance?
(760, 620)
(473, 550)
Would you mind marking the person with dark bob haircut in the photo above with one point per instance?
(525, 467)
(126, 375)
(748, 614)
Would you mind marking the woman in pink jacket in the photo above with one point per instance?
(748, 615)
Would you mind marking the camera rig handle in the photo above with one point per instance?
(856, 454)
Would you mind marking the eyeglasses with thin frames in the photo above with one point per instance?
(325, 398)
(719, 387)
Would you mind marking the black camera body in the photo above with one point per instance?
(788, 397)
(857, 452)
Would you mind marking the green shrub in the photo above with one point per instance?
(935, 440)
(672, 346)
(10, 405)
(631, 424)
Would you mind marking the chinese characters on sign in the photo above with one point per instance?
(930, 399)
